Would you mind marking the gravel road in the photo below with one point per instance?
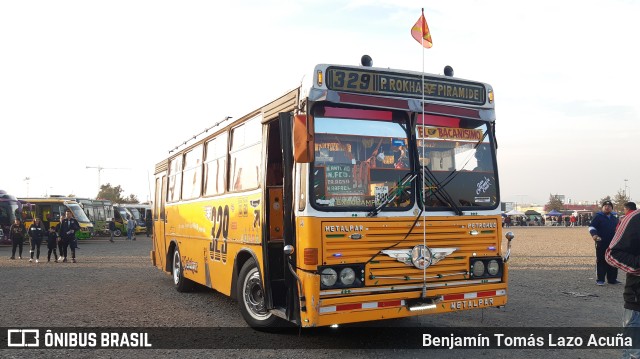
(552, 284)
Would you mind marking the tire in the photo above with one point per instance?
(117, 233)
(250, 294)
(181, 283)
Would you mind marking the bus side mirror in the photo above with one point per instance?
(303, 144)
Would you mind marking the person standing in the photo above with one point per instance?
(148, 222)
(52, 243)
(629, 207)
(36, 232)
(624, 253)
(17, 231)
(602, 229)
(68, 228)
(59, 241)
(131, 227)
(112, 228)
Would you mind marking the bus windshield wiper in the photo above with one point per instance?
(394, 193)
(440, 192)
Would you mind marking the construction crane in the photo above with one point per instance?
(100, 168)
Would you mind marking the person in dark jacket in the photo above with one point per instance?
(624, 253)
(67, 232)
(602, 229)
(112, 228)
(36, 232)
(148, 222)
(17, 232)
(52, 243)
(59, 241)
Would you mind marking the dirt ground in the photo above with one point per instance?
(551, 284)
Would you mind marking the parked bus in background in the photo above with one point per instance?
(50, 210)
(98, 211)
(369, 194)
(10, 209)
(121, 216)
(138, 211)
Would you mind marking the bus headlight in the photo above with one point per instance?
(347, 276)
(493, 267)
(478, 269)
(482, 267)
(340, 276)
(328, 277)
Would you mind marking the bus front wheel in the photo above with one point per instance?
(250, 294)
(182, 284)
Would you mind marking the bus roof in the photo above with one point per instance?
(48, 199)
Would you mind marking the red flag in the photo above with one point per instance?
(420, 32)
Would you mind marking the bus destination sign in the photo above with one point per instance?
(404, 85)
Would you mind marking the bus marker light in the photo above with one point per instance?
(311, 256)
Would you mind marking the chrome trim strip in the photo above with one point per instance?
(396, 288)
(420, 278)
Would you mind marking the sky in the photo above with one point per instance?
(117, 84)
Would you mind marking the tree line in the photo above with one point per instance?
(114, 194)
(618, 202)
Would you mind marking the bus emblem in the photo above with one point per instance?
(422, 259)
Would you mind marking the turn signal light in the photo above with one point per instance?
(311, 256)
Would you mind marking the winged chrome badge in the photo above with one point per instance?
(419, 256)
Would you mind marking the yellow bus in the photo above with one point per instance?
(368, 194)
(51, 209)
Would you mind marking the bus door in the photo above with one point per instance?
(159, 220)
(278, 230)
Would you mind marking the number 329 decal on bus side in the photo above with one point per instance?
(219, 233)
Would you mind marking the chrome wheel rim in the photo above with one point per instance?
(254, 296)
(176, 267)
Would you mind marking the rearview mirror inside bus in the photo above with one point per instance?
(303, 144)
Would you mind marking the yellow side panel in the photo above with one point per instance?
(211, 232)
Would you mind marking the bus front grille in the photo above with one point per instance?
(377, 244)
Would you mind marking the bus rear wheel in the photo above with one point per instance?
(182, 284)
(250, 294)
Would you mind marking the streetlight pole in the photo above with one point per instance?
(625, 189)
(521, 199)
(26, 180)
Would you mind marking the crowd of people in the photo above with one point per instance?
(580, 220)
(61, 237)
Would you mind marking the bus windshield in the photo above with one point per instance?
(458, 162)
(78, 213)
(360, 156)
(135, 213)
(124, 213)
